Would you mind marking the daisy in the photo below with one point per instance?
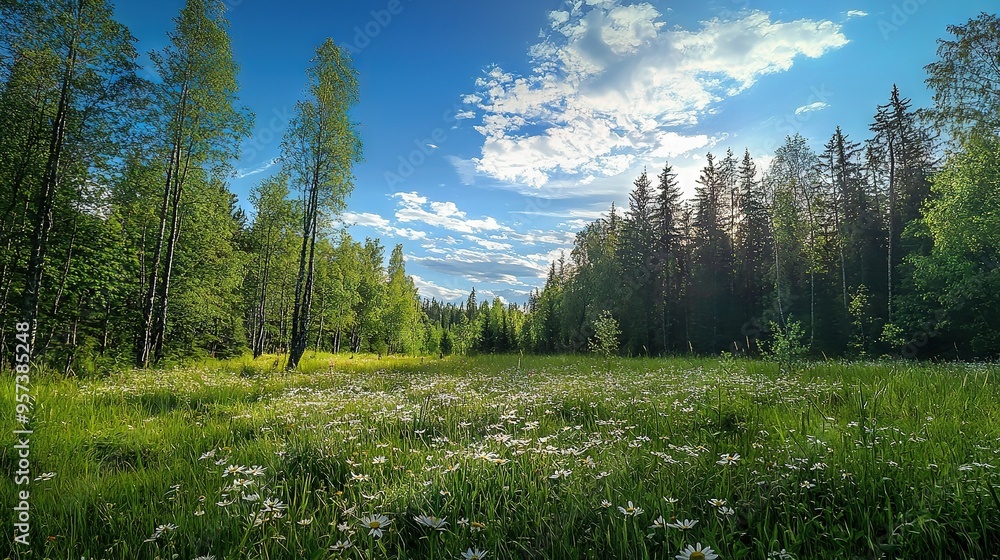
(341, 545)
(715, 502)
(631, 510)
(273, 505)
(684, 525)
(436, 523)
(256, 470)
(658, 523)
(697, 553)
(476, 554)
(234, 469)
(728, 459)
(375, 524)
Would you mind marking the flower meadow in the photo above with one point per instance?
(515, 457)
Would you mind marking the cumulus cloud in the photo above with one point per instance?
(415, 208)
(365, 219)
(381, 225)
(612, 85)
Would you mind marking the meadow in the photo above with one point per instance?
(513, 457)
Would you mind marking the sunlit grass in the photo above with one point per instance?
(523, 457)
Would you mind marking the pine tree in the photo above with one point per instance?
(711, 269)
(901, 150)
(667, 252)
(637, 274)
(753, 247)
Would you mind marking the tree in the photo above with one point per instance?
(712, 267)
(268, 241)
(402, 306)
(69, 83)
(666, 248)
(198, 125)
(966, 79)
(753, 245)
(606, 335)
(901, 150)
(636, 261)
(319, 150)
(960, 278)
(794, 170)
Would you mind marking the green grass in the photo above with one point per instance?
(840, 460)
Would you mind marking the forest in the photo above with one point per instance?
(122, 244)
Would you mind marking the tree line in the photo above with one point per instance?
(121, 243)
(887, 245)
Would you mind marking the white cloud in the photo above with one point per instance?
(465, 168)
(365, 219)
(429, 289)
(382, 225)
(413, 208)
(465, 115)
(488, 244)
(241, 173)
(817, 106)
(612, 85)
(856, 13)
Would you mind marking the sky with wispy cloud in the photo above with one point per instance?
(494, 131)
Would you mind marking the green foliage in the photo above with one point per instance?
(960, 279)
(787, 346)
(965, 79)
(318, 151)
(859, 309)
(605, 340)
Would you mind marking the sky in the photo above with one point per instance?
(493, 130)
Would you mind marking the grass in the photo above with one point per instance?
(533, 457)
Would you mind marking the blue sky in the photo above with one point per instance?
(494, 130)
